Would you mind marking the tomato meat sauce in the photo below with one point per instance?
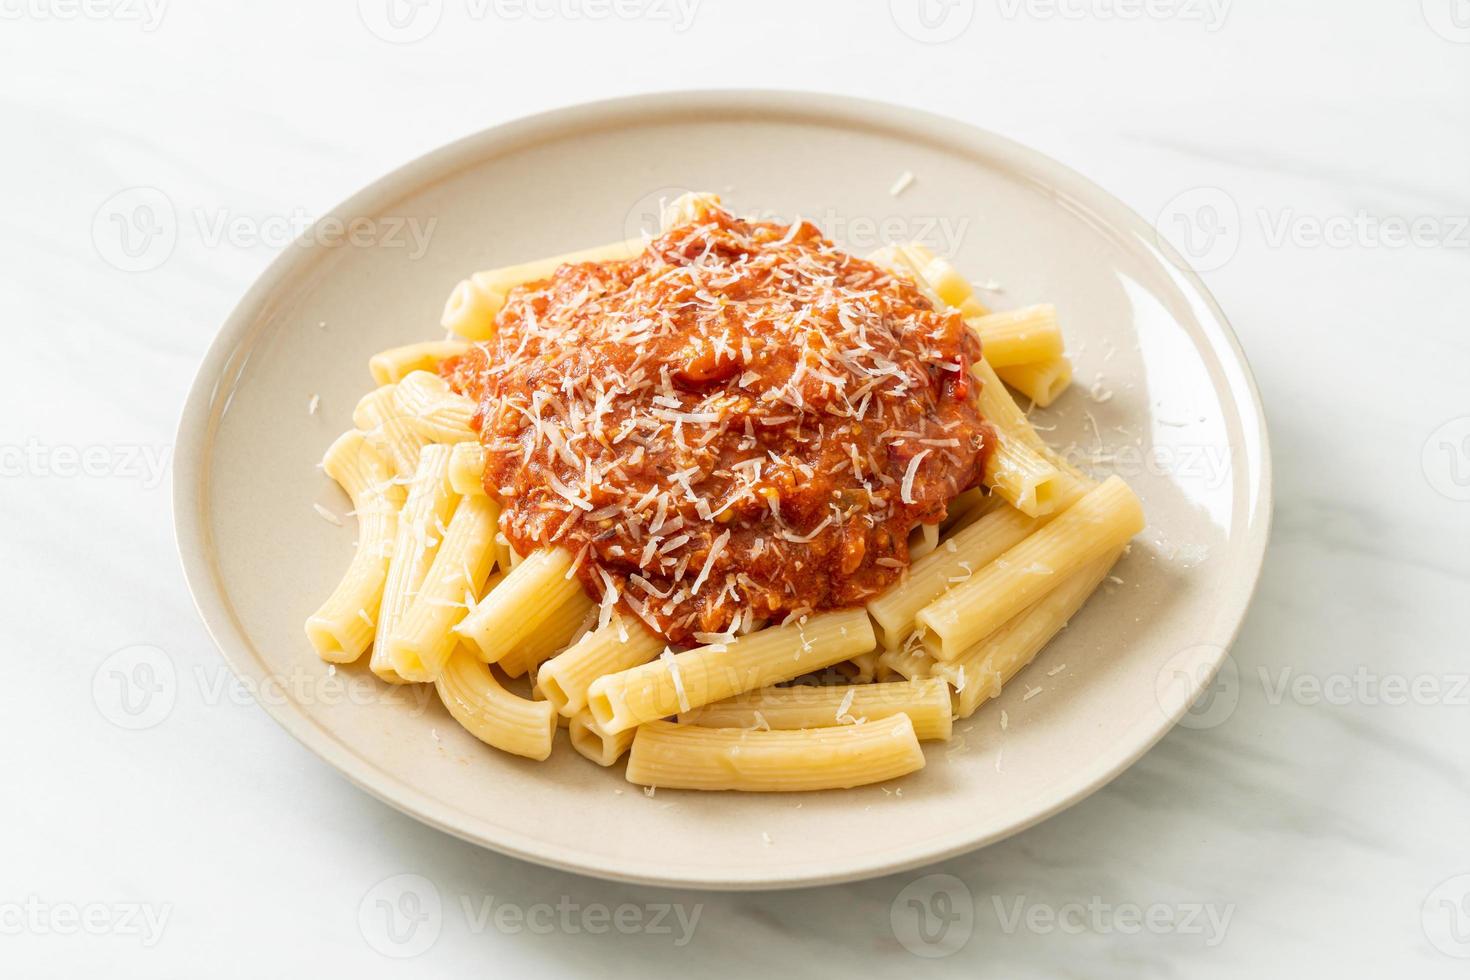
(741, 425)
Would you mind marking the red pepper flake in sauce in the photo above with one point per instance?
(741, 424)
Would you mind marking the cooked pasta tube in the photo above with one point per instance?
(470, 310)
(1024, 477)
(439, 413)
(420, 523)
(979, 673)
(694, 757)
(562, 721)
(1007, 418)
(688, 680)
(925, 701)
(1002, 412)
(1023, 336)
(474, 303)
(467, 468)
(862, 667)
(595, 743)
(903, 260)
(492, 714)
(1029, 335)
(423, 642)
(1101, 522)
(344, 625)
(565, 623)
(952, 287)
(530, 595)
(506, 557)
(1021, 469)
(395, 363)
(956, 560)
(619, 645)
(1041, 381)
(389, 427)
(972, 308)
(922, 540)
(371, 409)
(907, 661)
(939, 273)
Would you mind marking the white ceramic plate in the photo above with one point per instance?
(1174, 410)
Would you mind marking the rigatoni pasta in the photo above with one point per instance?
(618, 646)
(980, 672)
(492, 714)
(537, 592)
(1040, 381)
(592, 741)
(393, 365)
(1101, 522)
(754, 761)
(421, 644)
(467, 469)
(421, 523)
(956, 560)
(924, 700)
(474, 303)
(1024, 336)
(344, 625)
(684, 681)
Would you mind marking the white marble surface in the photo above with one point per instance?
(1300, 836)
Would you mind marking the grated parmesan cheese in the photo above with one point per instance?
(668, 657)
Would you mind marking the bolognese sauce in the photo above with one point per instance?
(741, 425)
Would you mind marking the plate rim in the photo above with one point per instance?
(200, 414)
